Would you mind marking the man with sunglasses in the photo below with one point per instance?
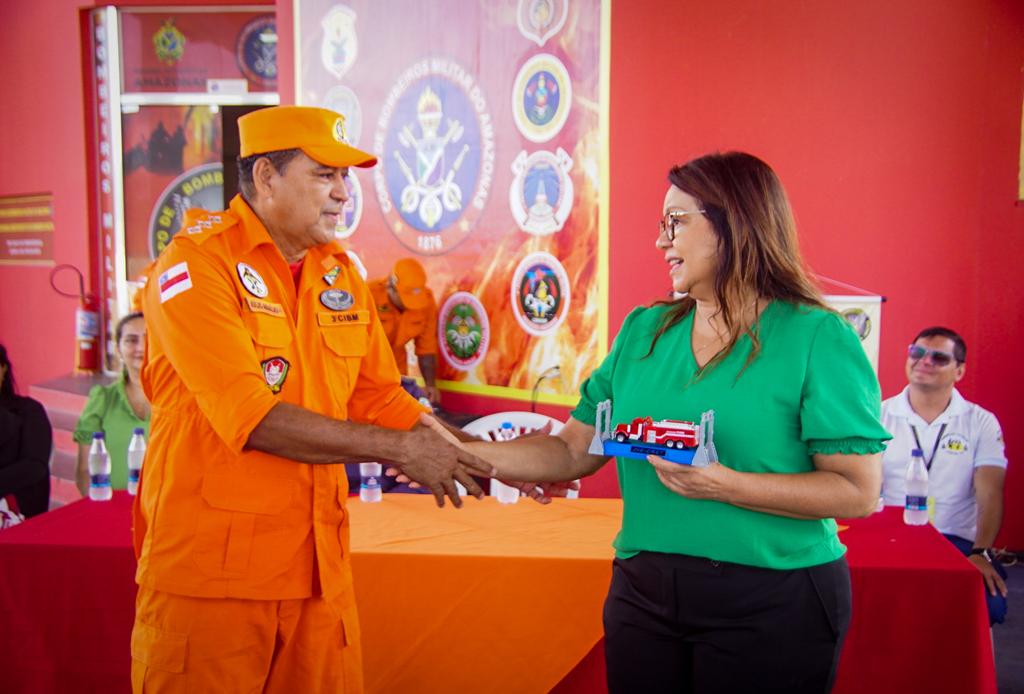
(963, 450)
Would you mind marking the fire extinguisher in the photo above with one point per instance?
(87, 322)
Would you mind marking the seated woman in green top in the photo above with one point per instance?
(731, 577)
(116, 409)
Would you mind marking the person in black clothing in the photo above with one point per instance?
(26, 440)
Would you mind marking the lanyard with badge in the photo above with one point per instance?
(935, 448)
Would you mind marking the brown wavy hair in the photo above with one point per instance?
(758, 252)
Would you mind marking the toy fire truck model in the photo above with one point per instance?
(675, 440)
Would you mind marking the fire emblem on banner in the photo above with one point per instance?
(436, 145)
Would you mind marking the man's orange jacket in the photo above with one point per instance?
(229, 336)
(401, 326)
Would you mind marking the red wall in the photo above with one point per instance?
(896, 129)
(895, 126)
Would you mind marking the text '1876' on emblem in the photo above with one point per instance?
(256, 51)
(541, 194)
(541, 97)
(463, 331)
(436, 141)
(199, 187)
(540, 293)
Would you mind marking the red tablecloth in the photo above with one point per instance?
(67, 593)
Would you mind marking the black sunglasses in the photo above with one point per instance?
(917, 352)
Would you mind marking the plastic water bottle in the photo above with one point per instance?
(915, 510)
(99, 469)
(136, 454)
(369, 482)
(504, 493)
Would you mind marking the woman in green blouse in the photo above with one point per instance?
(731, 577)
(116, 409)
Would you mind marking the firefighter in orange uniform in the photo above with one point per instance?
(267, 367)
(408, 311)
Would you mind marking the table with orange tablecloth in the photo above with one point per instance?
(488, 598)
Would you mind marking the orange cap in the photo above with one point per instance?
(316, 131)
(410, 281)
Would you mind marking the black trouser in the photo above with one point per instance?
(675, 623)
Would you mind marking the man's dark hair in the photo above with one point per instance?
(8, 389)
(959, 346)
(278, 159)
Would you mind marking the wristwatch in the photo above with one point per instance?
(983, 551)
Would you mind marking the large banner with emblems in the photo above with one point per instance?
(486, 119)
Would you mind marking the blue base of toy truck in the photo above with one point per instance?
(635, 449)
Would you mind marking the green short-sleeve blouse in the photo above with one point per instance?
(810, 390)
(109, 411)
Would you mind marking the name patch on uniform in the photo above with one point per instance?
(275, 370)
(252, 281)
(336, 299)
(267, 307)
(361, 316)
(174, 281)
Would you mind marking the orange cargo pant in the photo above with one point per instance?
(186, 644)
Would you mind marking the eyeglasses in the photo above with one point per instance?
(917, 353)
(670, 222)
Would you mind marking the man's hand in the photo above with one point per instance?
(435, 460)
(993, 581)
(544, 492)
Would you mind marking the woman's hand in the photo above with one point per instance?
(712, 482)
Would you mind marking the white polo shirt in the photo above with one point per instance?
(970, 437)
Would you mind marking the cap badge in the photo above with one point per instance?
(339, 131)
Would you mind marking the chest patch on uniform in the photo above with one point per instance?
(361, 316)
(336, 299)
(275, 370)
(332, 275)
(268, 307)
(954, 443)
(252, 281)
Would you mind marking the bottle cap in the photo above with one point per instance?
(139, 430)
(98, 435)
(506, 425)
(917, 452)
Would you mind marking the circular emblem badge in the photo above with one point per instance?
(859, 320)
(256, 51)
(436, 145)
(541, 193)
(540, 293)
(252, 281)
(352, 212)
(336, 299)
(463, 331)
(202, 187)
(343, 100)
(541, 97)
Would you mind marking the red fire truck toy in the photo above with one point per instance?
(671, 433)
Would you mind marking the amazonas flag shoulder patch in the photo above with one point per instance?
(174, 281)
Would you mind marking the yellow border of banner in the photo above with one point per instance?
(508, 393)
